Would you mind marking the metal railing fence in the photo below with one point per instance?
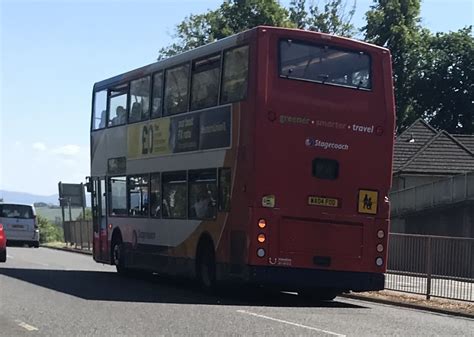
(444, 192)
(78, 234)
(435, 266)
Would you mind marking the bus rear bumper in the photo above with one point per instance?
(298, 278)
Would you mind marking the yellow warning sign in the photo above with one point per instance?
(368, 201)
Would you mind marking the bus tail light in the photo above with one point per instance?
(262, 223)
(260, 252)
(379, 262)
(380, 234)
(261, 238)
(380, 248)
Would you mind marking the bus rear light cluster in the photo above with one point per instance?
(380, 248)
(379, 262)
(261, 237)
(380, 234)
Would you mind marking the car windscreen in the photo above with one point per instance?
(16, 211)
(324, 64)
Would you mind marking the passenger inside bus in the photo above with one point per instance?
(121, 117)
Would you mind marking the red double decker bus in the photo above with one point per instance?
(265, 157)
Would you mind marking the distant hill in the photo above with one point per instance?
(27, 198)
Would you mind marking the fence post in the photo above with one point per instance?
(428, 269)
(432, 195)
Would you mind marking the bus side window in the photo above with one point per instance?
(155, 195)
(138, 195)
(235, 74)
(176, 90)
(118, 195)
(225, 190)
(202, 194)
(174, 198)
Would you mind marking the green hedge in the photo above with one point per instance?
(49, 232)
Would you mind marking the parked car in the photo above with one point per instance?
(19, 223)
(3, 245)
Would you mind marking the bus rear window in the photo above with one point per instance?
(324, 64)
(16, 211)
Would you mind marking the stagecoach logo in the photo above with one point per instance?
(312, 142)
(280, 261)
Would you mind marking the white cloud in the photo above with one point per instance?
(67, 150)
(39, 146)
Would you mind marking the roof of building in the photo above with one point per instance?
(421, 149)
(467, 140)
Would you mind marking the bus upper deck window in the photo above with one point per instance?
(139, 100)
(176, 90)
(235, 74)
(99, 118)
(205, 82)
(118, 105)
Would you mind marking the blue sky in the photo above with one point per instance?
(52, 52)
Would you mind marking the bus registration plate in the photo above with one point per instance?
(322, 201)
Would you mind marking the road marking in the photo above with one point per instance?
(290, 323)
(26, 326)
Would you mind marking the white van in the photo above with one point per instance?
(19, 223)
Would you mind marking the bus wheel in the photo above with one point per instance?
(206, 268)
(117, 255)
(319, 294)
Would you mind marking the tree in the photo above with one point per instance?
(230, 18)
(395, 24)
(333, 19)
(235, 16)
(444, 89)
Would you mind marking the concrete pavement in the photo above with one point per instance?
(45, 292)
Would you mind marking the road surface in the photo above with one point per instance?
(46, 292)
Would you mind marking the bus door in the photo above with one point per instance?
(99, 205)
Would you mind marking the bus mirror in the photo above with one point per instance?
(88, 185)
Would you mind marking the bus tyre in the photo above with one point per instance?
(118, 256)
(206, 268)
(3, 256)
(319, 294)
(36, 244)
